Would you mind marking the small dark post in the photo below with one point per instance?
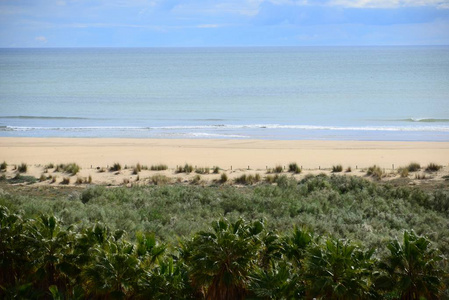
(248, 167)
(356, 167)
(231, 168)
(319, 167)
(393, 166)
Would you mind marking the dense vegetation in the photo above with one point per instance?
(331, 237)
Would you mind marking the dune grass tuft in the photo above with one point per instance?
(159, 179)
(433, 167)
(200, 170)
(348, 170)
(196, 179)
(337, 169)
(403, 172)
(248, 179)
(216, 170)
(159, 167)
(413, 167)
(375, 172)
(3, 166)
(22, 168)
(115, 167)
(294, 168)
(186, 169)
(65, 180)
(223, 178)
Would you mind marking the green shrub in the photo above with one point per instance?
(348, 170)
(294, 168)
(22, 168)
(65, 180)
(3, 166)
(42, 178)
(159, 167)
(216, 170)
(432, 167)
(50, 166)
(337, 169)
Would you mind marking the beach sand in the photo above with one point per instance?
(258, 155)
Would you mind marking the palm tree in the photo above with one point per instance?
(220, 261)
(114, 272)
(412, 269)
(339, 270)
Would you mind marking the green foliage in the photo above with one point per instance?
(196, 179)
(22, 168)
(42, 256)
(294, 168)
(412, 268)
(3, 166)
(216, 170)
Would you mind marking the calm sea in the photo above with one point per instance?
(337, 93)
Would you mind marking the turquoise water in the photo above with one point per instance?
(339, 93)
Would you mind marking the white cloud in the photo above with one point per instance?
(41, 39)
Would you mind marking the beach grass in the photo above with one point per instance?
(160, 179)
(433, 167)
(3, 166)
(294, 168)
(375, 172)
(337, 169)
(185, 169)
(202, 170)
(248, 179)
(65, 180)
(413, 167)
(71, 168)
(223, 178)
(158, 167)
(115, 167)
(22, 168)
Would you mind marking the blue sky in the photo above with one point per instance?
(198, 23)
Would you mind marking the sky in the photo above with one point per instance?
(222, 23)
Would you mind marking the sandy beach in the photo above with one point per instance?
(257, 154)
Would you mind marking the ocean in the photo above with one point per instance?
(306, 93)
